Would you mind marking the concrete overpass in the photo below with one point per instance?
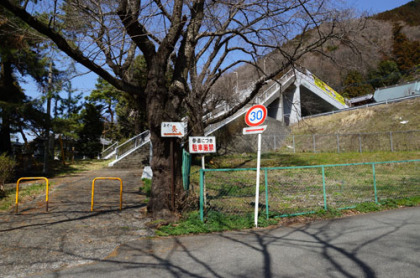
(288, 98)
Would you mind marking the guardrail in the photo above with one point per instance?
(361, 106)
(105, 178)
(30, 178)
(406, 140)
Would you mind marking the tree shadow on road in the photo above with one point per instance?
(337, 248)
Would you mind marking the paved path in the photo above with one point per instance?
(35, 241)
(385, 244)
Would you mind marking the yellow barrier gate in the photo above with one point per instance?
(105, 178)
(30, 178)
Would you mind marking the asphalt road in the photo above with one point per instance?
(69, 234)
(384, 244)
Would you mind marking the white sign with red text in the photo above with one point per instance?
(172, 129)
(202, 144)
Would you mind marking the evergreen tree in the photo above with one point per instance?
(386, 74)
(355, 85)
(406, 53)
(19, 53)
(90, 132)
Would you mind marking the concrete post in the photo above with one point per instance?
(296, 114)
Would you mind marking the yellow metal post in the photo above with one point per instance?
(93, 194)
(31, 178)
(105, 178)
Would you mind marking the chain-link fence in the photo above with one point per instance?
(296, 190)
(355, 142)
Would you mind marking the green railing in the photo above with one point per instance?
(288, 191)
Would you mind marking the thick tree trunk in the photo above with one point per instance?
(9, 93)
(163, 107)
(160, 204)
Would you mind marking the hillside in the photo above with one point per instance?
(401, 116)
(409, 13)
(360, 46)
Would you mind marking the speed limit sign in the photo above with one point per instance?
(256, 115)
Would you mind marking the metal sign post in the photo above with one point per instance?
(254, 117)
(257, 190)
(172, 173)
(172, 129)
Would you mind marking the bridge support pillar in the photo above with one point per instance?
(276, 109)
(296, 112)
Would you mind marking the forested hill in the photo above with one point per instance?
(366, 53)
(409, 13)
(386, 51)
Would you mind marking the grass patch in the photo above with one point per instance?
(25, 192)
(214, 222)
(79, 166)
(217, 221)
(146, 189)
(381, 118)
(293, 191)
(279, 159)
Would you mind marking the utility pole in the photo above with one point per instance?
(237, 82)
(48, 121)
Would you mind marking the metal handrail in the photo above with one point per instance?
(267, 94)
(109, 150)
(143, 136)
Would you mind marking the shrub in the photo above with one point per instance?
(7, 166)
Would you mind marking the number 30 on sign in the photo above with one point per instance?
(256, 115)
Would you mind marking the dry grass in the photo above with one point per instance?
(380, 118)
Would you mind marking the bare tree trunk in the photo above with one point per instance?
(48, 123)
(5, 145)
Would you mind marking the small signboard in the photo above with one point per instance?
(202, 144)
(172, 129)
(254, 130)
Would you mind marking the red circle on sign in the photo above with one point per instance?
(256, 115)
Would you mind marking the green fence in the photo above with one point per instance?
(286, 191)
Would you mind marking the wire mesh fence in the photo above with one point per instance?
(297, 190)
(355, 142)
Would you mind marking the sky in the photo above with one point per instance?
(376, 6)
(85, 83)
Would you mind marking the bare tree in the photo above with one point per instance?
(272, 37)
(197, 41)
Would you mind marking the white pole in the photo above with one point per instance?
(257, 191)
(203, 165)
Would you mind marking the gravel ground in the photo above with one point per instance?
(35, 241)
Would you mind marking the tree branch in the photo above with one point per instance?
(64, 46)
